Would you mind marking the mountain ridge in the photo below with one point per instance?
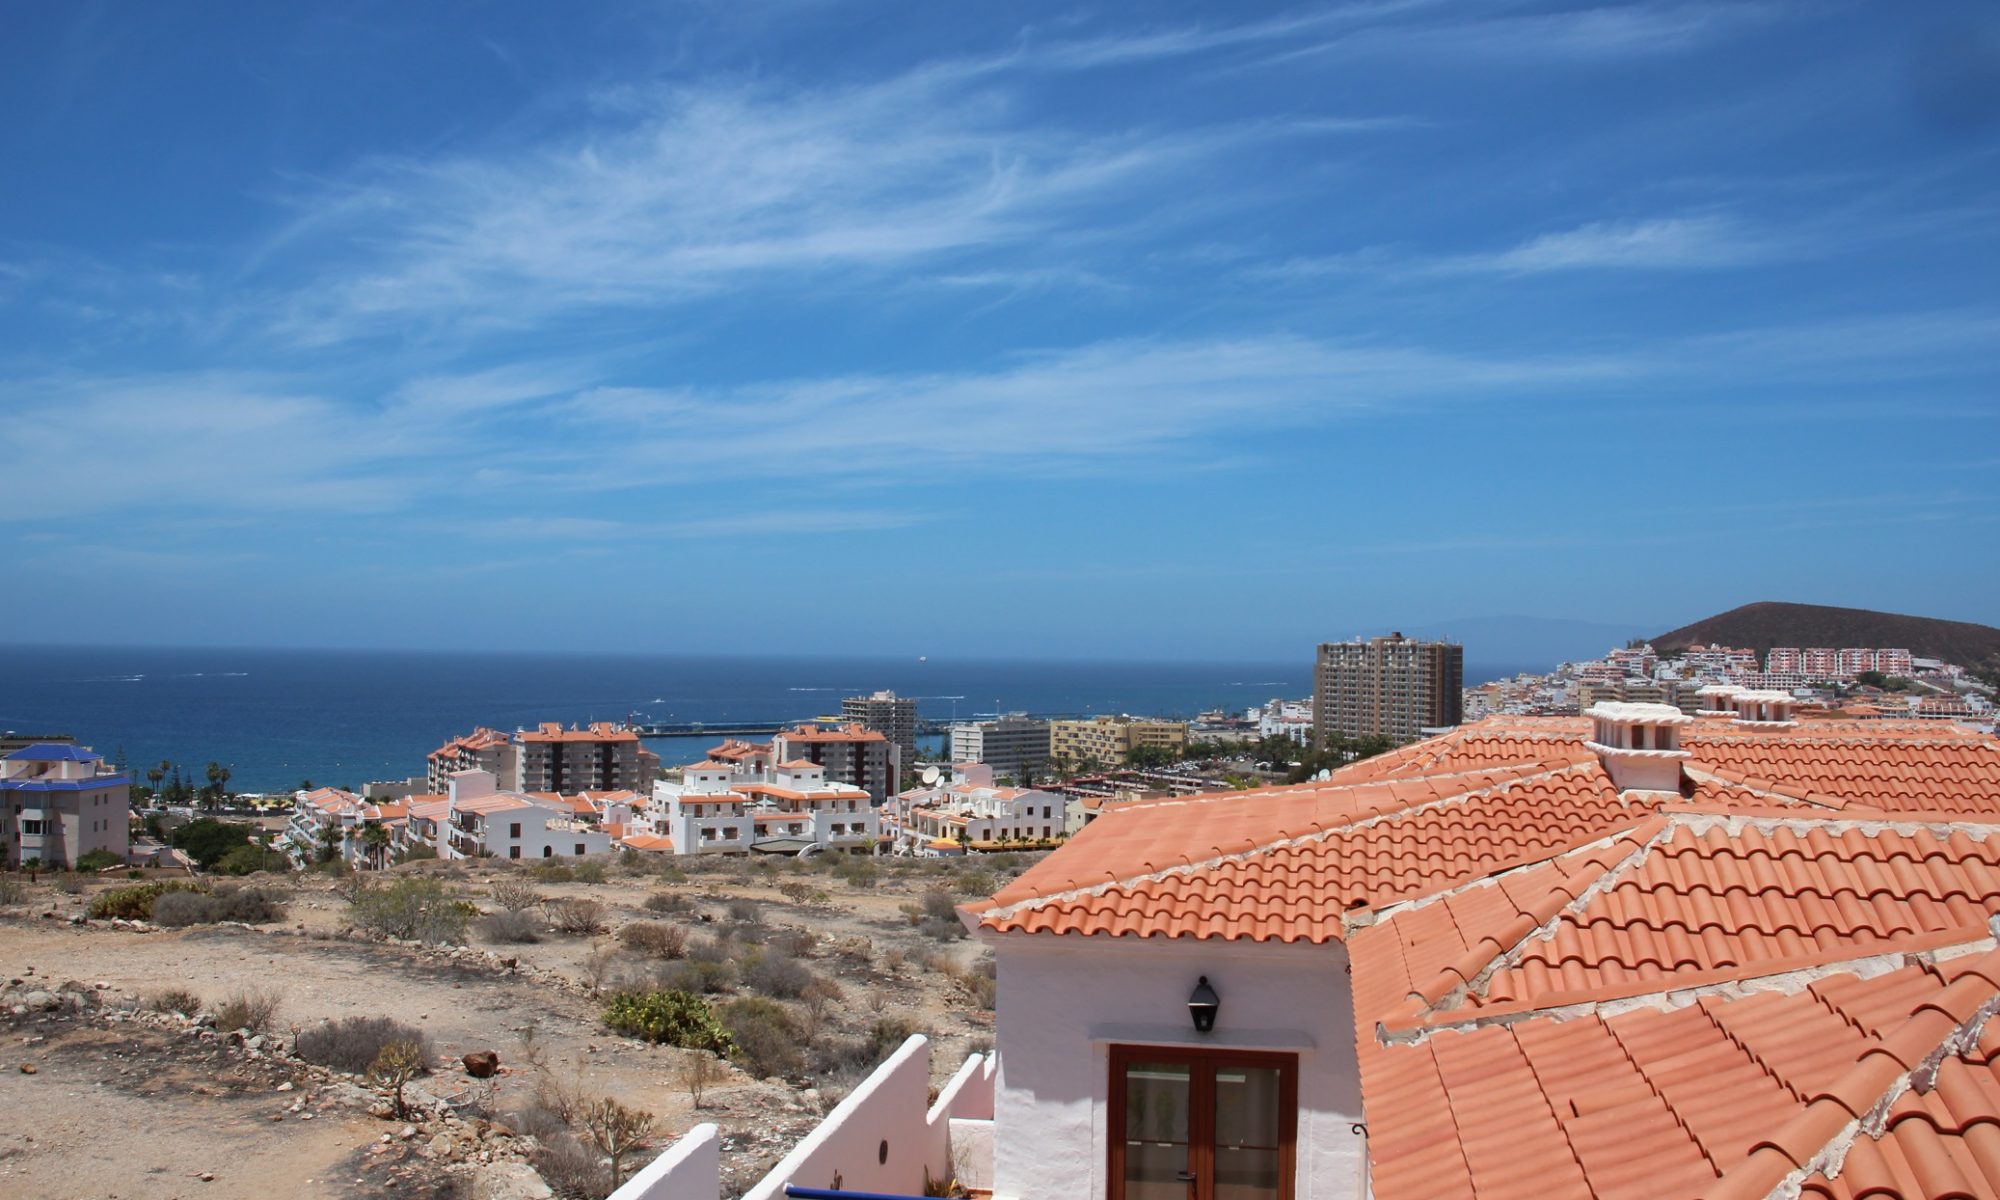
(1769, 623)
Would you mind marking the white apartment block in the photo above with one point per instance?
(735, 807)
(1284, 718)
(971, 808)
(59, 802)
(484, 822)
(1011, 744)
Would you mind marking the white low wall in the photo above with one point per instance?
(691, 1169)
(882, 1138)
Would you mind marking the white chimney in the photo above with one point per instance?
(1716, 700)
(1640, 744)
(1764, 710)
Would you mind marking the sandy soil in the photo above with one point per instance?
(96, 1087)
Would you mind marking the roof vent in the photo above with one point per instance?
(1764, 710)
(1640, 744)
(1716, 700)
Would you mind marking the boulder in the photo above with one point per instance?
(482, 1064)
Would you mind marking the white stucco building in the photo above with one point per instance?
(746, 803)
(482, 821)
(970, 807)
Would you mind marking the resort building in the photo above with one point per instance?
(892, 716)
(599, 757)
(59, 802)
(485, 822)
(1099, 742)
(970, 808)
(849, 753)
(1632, 954)
(483, 749)
(1013, 745)
(722, 807)
(1393, 687)
(549, 758)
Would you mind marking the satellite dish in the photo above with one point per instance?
(1324, 775)
(930, 774)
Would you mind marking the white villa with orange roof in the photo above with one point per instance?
(1627, 956)
(970, 808)
(483, 822)
(735, 807)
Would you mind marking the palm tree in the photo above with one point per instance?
(376, 838)
(213, 792)
(155, 774)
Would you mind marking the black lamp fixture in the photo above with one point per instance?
(1202, 1003)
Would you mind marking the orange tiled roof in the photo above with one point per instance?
(650, 842)
(840, 733)
(1777, 985)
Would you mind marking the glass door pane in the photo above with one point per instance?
(1157, 1110)
(1249, 1130)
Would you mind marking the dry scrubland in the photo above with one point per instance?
(233, 1045)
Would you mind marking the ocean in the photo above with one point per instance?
(279, 717)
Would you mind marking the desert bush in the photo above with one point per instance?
(767, 1043)
(668, 902)
(982, 981)
(248, 859)
(795, 890)
(799, 943)
(942, 929)
(12, 889)
(940, 905)
(746, 912)
(590, 870)
(570, 1168)
(514, 893)
(97, 860)
(417, 908)
(776, 975)
(417, 853)
(553, 872)
(175, 1000)
(656, 938)
(714, 949)
(252, 906)
(575, 915)
(510, 927)
(135, 903)
(670, 1017)
(818, 1000)
(689, 975)
(352, 1044)
(248, 1008)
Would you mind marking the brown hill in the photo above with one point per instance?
(1771, 623)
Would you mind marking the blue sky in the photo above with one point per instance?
(1150, 330)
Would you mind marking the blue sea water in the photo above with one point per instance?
(276, 717)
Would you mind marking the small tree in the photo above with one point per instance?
(697, 1071)
(375, 840)
(395, 1065)
(617, 1131)
(514, 893)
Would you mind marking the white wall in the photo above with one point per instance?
(690, 1169)
(1064, 1000)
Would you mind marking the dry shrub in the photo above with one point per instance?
(512, 927)
(667, 903)
(776, 975)
(767, 1043)
(656, 938)
(352, 1044)
(248, 1008)
(175, 1000)
(515, 893)
(575, 915)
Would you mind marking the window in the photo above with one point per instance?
(513, 852)
(31, 827)
(1202, 1123)
(579, 849)
(548, 851)
(514, 830)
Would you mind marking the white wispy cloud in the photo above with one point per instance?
(1693, 242)
(1589, 33)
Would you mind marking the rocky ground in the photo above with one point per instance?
(129, 1102)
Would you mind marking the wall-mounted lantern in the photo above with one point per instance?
(1202, 1003)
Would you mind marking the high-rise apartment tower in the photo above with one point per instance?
(1393, 686)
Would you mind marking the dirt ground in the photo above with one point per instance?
(125, 1111)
